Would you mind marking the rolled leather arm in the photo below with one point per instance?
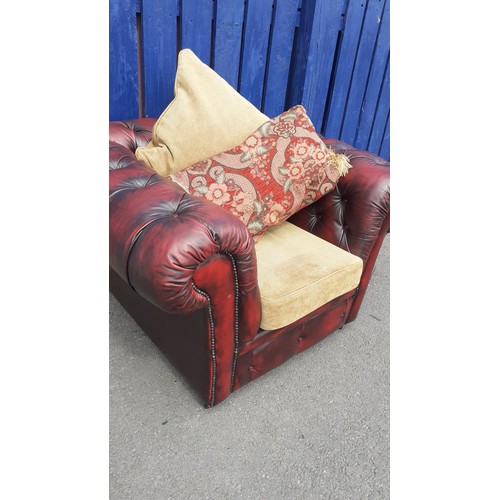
(161, 235)
(355, 213)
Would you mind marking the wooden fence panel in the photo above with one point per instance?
(361, 70)
(326, 29)
(377, 72)
(255, 45)
(381, 115)
(385, 147)
(347, 57)
(280, 54)
(332, 56)
(227, 41)
(321, 24)
(123, 64)
(196, 27)
(159, 49)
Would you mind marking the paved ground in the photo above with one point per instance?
(315, 427)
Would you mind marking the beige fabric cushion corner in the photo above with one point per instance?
(206, 117)
(299, 272)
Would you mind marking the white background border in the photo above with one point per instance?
(444, 264)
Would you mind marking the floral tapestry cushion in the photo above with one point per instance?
(277, 170)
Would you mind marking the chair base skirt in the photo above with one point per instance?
(184, 338)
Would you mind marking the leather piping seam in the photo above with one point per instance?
(212, 346)
(236, 320)
(351, 304)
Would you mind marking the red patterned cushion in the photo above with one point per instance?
(279, 169)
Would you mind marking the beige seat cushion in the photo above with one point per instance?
(299, 272)
(206, 117)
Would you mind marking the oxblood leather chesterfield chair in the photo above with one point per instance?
(203, 309)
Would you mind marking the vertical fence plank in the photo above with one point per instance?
(159, 33)
(255, 45)
(361, 70)
(227, 40)
(385, 147)
(381, 115)
(342, 78)
(196, 27)
(280, 53)
(123, 64)
(380, 58)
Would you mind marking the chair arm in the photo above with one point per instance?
(162, 239)
(355, 215)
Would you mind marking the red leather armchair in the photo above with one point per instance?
(185, 268)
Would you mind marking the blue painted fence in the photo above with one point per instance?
(332, 56)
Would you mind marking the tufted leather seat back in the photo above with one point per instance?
(133, 133)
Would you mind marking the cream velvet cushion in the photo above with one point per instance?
(299, 272)
(207, 116)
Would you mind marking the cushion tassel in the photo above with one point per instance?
(341, 162)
